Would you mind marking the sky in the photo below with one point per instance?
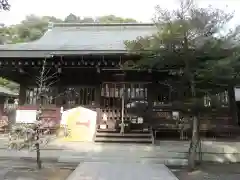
(140, 10)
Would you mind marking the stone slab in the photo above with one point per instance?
(121, 171)
(3, 172)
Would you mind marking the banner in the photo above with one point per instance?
(26, 116)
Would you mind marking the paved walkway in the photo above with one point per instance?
(121, 171)
(89, 152)
(106, 161)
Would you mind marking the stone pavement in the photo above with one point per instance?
(123, 171)
(90, 152)
(132, 154)
(53, 143)
(26, 170)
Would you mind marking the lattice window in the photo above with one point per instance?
(207, 101)
(45, 95)
(223, 98)
(138, 91)
(76, 96)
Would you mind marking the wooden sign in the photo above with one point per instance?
(81, 124)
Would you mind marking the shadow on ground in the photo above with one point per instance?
(26, 170)
(209, 171)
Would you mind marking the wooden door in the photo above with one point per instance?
(113, 112)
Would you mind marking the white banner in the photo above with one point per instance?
(26, 116)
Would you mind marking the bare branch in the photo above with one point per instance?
(51, 83)
(49, 77)
(47, 71)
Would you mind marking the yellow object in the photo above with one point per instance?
(81, 124)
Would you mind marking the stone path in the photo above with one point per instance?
(88, 152)
(121, 171)
(138, 158)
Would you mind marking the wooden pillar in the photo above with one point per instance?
(150, 99)
(97, 100)
(233, 105)
(22, 94)
(59, 92)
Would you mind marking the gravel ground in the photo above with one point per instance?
(210, 172)
(26, 170)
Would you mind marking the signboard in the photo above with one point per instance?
(81, 124)
(26, 116)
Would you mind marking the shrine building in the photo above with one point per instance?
(85, 68)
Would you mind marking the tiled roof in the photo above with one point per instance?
(6, 92)
(84, 38)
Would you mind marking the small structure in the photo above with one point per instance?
(80, 123)
(7, 107)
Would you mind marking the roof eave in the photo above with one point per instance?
(51, 53)
(52, 25)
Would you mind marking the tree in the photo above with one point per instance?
(33, 27)
(4, 5)
(72, 18)
(44, 81)
(189, 39)
(114, 19)
(29, 136)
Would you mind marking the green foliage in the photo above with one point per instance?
(189, 39)
(4, 5)
(9, 85)
(4, 82)
(114, 19)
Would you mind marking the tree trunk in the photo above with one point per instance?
(122, 113)
(195, 121)
(195, 134)
(194, 144)
(39, 163)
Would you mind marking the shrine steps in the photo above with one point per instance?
(106, 136)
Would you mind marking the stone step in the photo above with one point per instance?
(166, 161)
(130, 155)
(111, 134)
(118, 132)
(123, 140)
(129, 137)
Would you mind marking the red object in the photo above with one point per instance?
(87, 124)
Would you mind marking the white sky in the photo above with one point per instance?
(141, 10)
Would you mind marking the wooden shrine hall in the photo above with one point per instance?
(83, 67)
